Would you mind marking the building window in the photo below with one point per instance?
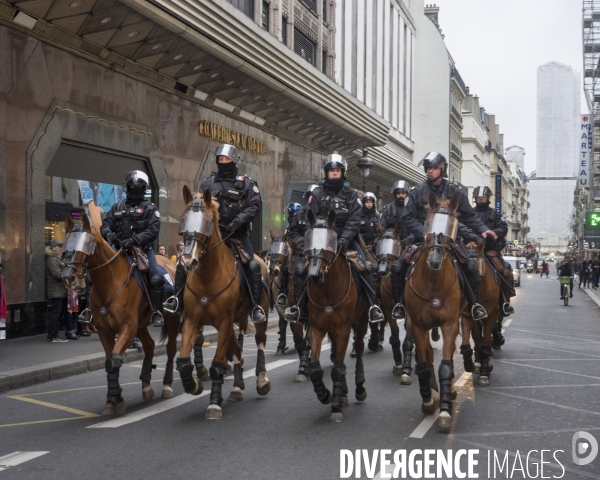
(311, 5)
(265, 15)
(325, 12)
(324, 65)
(284, 29)
(246, 6)
(304, 47)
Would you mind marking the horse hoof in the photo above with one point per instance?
(264, 389)
(344, 401)
(405, 380)
(491, 364)
(361, 397)
(453, 392)
(444, 420)
(213, 412)
(167, 392)
(327, 399)
(147, 394)
(202, 373)
(336, 417)
(495, 346)
(120, 408)
(108, 409)
(435, 335)
(236, 395)
(428, 408)
(301, 378)
(397, 370)
(484, 381)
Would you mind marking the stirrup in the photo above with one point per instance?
(281, 300)
(507, 309)
(157, 319)
(399, 312)
(292, 314)
(168, 304)
(373, 317)
(481, 316)
(258, 310)
(85, 317)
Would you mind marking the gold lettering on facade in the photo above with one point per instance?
(222, 134)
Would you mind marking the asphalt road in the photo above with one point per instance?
(545, 387)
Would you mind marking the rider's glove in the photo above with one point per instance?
(112, 238)
(128, 243)
(233, 227)
(342, 243)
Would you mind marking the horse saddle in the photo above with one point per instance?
(354, 260)
(139, 273)
(492, 256)
(238, 250)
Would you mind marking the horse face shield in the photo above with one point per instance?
(320, 244)
(278, 252)
(194, 222)
(77, 247)
(440, 229)
(388, 250)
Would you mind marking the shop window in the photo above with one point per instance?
(246, 6)
(304, 47)
(284, 29)
(265, 15)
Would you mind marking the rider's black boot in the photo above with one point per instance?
(474, 280)
(297, 313)
(157, 293)
(174, 304)
(281, 348)
(370, 277)
(283, 288)
(255, 280)
(398, 279)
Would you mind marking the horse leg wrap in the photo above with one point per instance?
(432, 380)
(398, 274)
(374, 338)
(359, 376)
(282, 331)
(423, 373)
(407, 348)
(186, 372)
(395, 343)
(240, 340)
(467, 352)
(260, 362)
(168, 378)
(338, 375)
(446, 373)
(198, 358)
(238, 376)
(146, 375)
(484, 358)
(217, 372)
(315, 372)
(497, 337)
(304, 357)
(112, 366)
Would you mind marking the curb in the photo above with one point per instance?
(14, 379)
(592, 296)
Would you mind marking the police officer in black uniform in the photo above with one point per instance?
(135, 221)
(369, 220)
(495, 222)
(335, 195)
(414, 215)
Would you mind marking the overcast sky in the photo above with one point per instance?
(499, 44)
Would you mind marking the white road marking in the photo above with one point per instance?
(425, 425)
(173, 402)
(464, 378)
(16, 458)
(508, 322)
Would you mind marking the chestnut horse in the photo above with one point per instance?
(490, 295)
(433, 298)
(212, 296)
(334, 306)
(119, 307)
(275, 264)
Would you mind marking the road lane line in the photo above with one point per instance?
(549, 369)
(508, 322)
(16, 458)
(425, 425)
(173, 402)
(464, 378)
(55, 406)
(566, 351)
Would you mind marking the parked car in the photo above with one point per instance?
(515, 263)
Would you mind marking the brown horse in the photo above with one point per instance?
(276, 261)
(119, 307)
(433, 298)
(490, 295)
(213, 296)
(334, 306)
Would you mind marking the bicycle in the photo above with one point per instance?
(565, 282)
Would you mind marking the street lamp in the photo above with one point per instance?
(365, 164)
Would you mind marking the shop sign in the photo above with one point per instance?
(585, 152)
(238, 140)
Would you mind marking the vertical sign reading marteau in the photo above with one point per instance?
(498, 193)
(585, 152)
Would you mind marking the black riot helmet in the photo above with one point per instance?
(335, 161)
(309, 190)
(136, 177)
(482, 191)
(399, 186)
(435, 159)
(369, 196)
(227, 150)
(293, 209)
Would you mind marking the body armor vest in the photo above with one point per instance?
(424, 191)
(131, 220)
(230, 200)
(339, 204)
(368, 227)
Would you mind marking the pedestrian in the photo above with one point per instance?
(545, 269)
(162, 250)
(56, 292)
(179, 251)
(72, 314)
(566, 269)
(595, 272)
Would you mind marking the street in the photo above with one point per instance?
(544, 388)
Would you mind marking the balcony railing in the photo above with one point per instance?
(457, 113)
(455, 149)
(459, 79)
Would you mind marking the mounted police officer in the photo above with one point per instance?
(335, 195)
(414, 215)
(135, 221)
(369, 220)
(495, 222)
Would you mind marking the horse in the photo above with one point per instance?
(119, 307)
(490, 296)
(334, 306)
(281, 254)
(212, 297)
(433, 298)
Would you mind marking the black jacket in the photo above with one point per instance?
(126, 220)
(346, 205)
(298, 227)
(369, 223)
(392, 215)
(566, 270)
(495, 222)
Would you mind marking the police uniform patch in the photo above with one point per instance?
(255, 188)
(157, 213)
(406, 201)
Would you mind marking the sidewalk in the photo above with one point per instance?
(30, 360)
(592, 295)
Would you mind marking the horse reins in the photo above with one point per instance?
(104, 309)
(204, 300)
(342, 300)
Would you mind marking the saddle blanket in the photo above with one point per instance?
(169, 281)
